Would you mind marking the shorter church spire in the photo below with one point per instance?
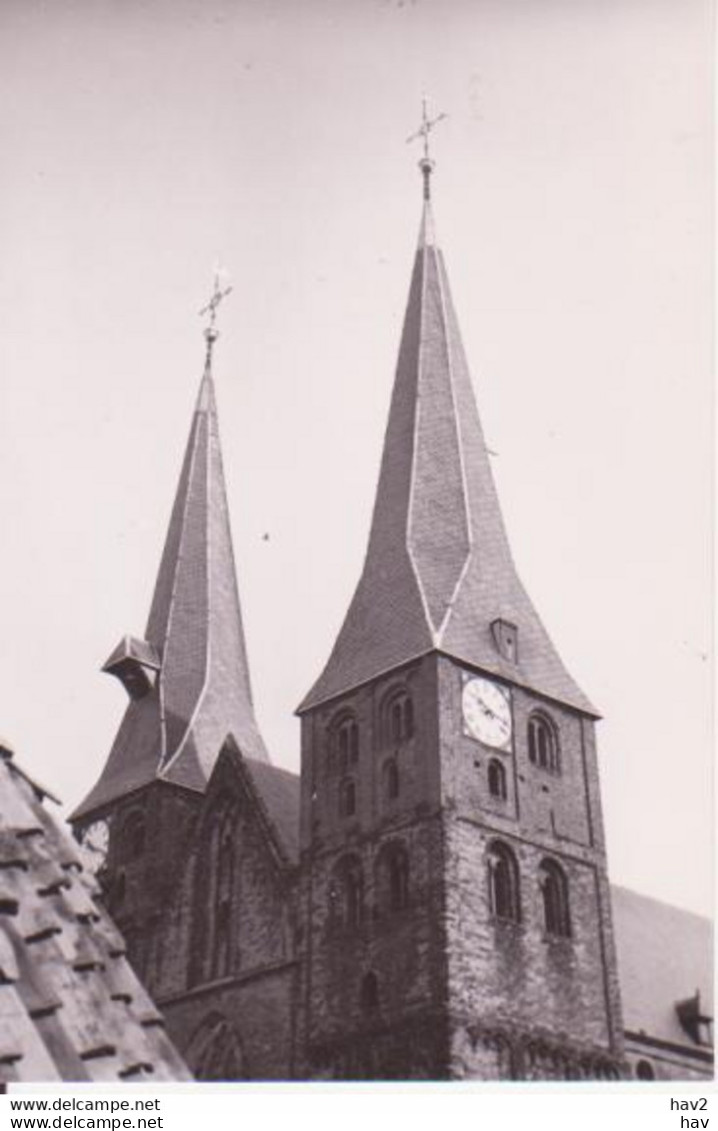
(188, 680)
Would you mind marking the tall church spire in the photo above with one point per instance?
(188, 679)
(438, 573)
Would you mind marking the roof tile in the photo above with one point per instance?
(61, 960)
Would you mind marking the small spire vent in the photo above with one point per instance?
(136, 664)
(506, 639)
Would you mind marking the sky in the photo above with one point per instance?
(146, 140)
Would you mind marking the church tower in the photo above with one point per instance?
(457, 920)
(189, 689)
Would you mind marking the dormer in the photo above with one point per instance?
(694, 1022)
(136, 664)
(506, 639)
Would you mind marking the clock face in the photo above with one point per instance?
(486, 708)
(94, 845)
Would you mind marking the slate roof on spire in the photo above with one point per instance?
(438, 569)
(175, 731)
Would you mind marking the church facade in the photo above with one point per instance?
(429, 898)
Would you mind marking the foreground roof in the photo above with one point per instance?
(665, 954)
(71, 1007)
(174, 729)
(438, 570)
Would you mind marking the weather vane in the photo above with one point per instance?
(427, 125)
(210, 333)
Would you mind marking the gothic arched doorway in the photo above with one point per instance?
(215, 1051)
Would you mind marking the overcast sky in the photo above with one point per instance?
(144, 139)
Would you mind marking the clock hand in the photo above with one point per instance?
(497, 718)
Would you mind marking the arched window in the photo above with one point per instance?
(133, 835)
(220, 913)
(398, 864)
(221, 938)
(223, 904)
(390, 774)
(503, 882)
(497, 779)
(346, 893)
(398, 719)
(644, 1070)
(392, 878)
(369, 992)
(543, 743)
(213, 950)
(343, 743)
(347, 798)
(554, 894)
(408, 717)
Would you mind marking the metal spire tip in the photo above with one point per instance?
(210, 331)
(426, 164)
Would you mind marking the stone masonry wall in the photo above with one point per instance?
(403, 1035)
(514, 975)
(322, 824)
(253, 993)
(256, 1008)
(139, 887)
(511, 984)
(401, 948)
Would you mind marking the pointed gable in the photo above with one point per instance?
(175, 731)
(438, 571)
(274, 793)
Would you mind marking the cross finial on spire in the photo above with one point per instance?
(210, 332)
(427, 125)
